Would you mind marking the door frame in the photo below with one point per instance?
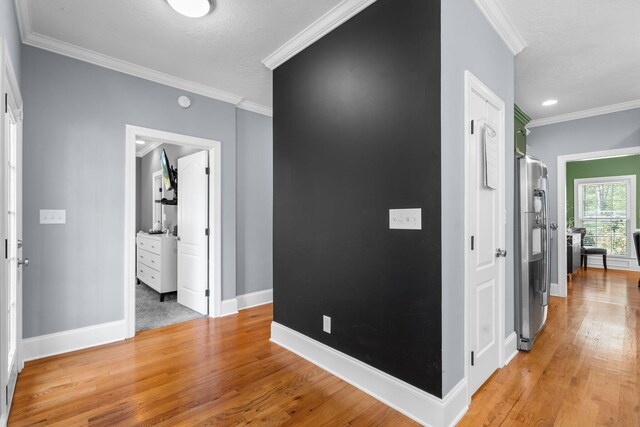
(9, 83)
(561, 220)
(215, 217)
(472, 83)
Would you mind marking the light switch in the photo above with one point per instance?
(405, 219)
(49, 216)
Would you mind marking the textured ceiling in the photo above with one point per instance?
(222, 50)
(584, 53)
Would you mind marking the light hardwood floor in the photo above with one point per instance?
(203, 372)
(583, 371)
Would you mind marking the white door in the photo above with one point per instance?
(485, 227)
(193, 231)
(11, 235)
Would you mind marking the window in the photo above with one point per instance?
(606, 208)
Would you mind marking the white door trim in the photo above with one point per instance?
(9, 83)
(562, 205)
(215, 216)
(473, 83)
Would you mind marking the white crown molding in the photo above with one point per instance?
(615, 108)
(34, 39)
(416, 404)
(148, 147)
(500, 21)
(322, 26)
(23, 13)
(256, 108)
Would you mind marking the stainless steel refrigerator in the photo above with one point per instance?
(532, 250)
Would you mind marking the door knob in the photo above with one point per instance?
(553, 226)
(24, 262)
(501, 253)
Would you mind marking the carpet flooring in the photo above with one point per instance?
(151, 313)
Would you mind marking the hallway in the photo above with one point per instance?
(584, 369)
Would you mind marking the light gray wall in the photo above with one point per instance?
(148, 166)
(255, 202)
(10, 31)
(606, 132)
(74, 155)
(468, 43)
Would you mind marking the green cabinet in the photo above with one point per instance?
(520, 137)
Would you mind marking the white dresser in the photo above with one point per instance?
(157, 262)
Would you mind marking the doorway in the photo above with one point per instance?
(11, 230)
(563, 226)
(485, 232)
(186, 240)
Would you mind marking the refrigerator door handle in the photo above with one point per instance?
(546, 273)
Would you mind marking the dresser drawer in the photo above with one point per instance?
(149, 276)
(149, 259)
(148, 244)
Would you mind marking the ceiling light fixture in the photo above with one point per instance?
(191, 8)
(550, 102)
(140, 142)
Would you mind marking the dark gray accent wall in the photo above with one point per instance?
(356, 133)
(468, 43)
(10, 31)
(150, 164)
(74, 156)
(599, 133)
(255, 202)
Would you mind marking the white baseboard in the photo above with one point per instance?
(554, 290)
(510, 348)
(255, 299)
(229, 307)
(613, 263)
(416, 404)
(75, 339)
(3, 421)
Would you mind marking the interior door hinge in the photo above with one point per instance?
(6, 102)
(472, 359)
(6, 395)
(6, 249)
(472, 126)
(472, 241)
(206, 170)
(206, 293)
(206, 231)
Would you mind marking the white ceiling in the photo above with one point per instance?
(223, 50)
(584, 53)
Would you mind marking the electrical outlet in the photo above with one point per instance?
(326, 324)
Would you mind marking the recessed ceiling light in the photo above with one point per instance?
(191, 8)
(141, 142)
(550, 102)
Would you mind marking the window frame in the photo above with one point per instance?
(631, 205)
